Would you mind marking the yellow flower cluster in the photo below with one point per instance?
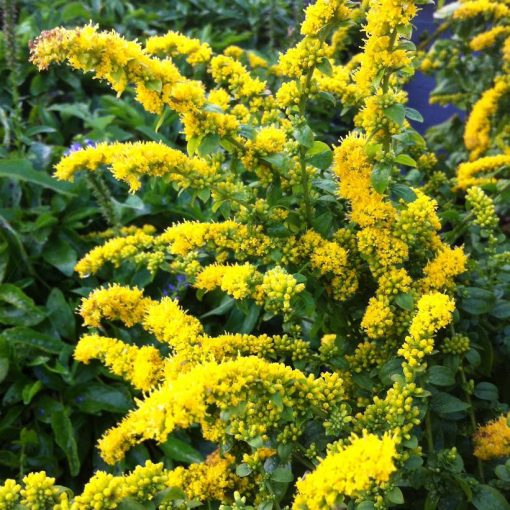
(486, 8)
(322, 13)
(493, 439)
(434, 311)
(114, 302)
(478, 125)
(439, 273)
(174, 44)
(487, 39)
(141, 366)
(226, 70)
(381, 51)
(483, 208)
(120, 63)
(488, 167)
(365, 463)
(128, 162)
(186, 399)
(214, 479)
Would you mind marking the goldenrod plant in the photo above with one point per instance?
(324, 391)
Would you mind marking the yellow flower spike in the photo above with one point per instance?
(141, 366)
(354, 170)
(493, 439)
(367, 462)
(236, 280)
(486, 8)
(115, 250)
(102, 492)
(186, 398)
(39, 491)
(226, 70)
(434, 311)
(322, 13)
(487, 39)
(128, 162)
(478, 124)
(174, 44)
(9, 494)
(481, 171)
(170, 324)
(115, 302)
(439, 273)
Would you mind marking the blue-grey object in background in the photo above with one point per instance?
(421, 85)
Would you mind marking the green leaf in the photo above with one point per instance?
(65, 438)
(61, 255)
(478, 301)
(60, 313)
(169, 494)
(441, 376)
(501, 310)
(17, 309)
(133, 504)
(444, 403)
(209, 144)
(282, 474)
(74, 10)
(413, 114)
(324, 66)
(277, 161)
(213, 108)
(405, 301)
(193, 144)
(405, 159)
(396, 113)
(486, 391)
(395, 496)
(226, 304)
(21, 169)
(155, 85)
(381, 177)
(30, 391)
(486, 497)
(319, 155)
(29, 338)
(243, 470)
(180, 451)
(4, 368)
(401, 191)
(304, 135)
(94, 397)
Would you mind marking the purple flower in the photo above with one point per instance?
(76, 146)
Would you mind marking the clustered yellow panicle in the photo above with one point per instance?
(493, 439)
(483, 208)
(128, 162)
(175, 44)
(478, 125)
(120, 63)
(214, 479)
(481, 171)
(142, 366)
(351, 470)
(185, 400)
(487, 8)
(114, 302)
(434, 312)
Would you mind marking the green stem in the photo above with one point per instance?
(104, 199)
(472, 417)
(428, 432)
